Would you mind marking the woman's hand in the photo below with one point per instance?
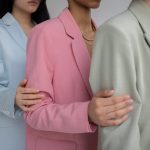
(26, 97)
(110, 111)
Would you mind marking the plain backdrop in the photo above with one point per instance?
(107, 9)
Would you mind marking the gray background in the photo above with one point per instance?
(107, 9)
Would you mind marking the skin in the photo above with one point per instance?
(84, 21)
(22, 11)
(104, 108)
(148, 2)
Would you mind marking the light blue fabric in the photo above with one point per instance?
(12, 71)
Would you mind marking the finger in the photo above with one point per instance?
(105, 93)
(120, 113)
(25, 108)
(118, 106)
(31, 96)
(23, 83)
(115, 100)
(117, 121)
(28, 91)
(30, 102)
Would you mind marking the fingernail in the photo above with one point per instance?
(131, 100)
(112, 91)
(127, 96)
(131, 108)
(126, 116)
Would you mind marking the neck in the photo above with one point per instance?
(148, 2)
(23, 18)
(82, 16)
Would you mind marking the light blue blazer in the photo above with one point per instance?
(12, 71)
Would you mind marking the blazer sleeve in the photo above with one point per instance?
(114, 67)
(48, 115)
(7, 94)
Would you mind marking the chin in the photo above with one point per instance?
(33, 10)
(94, 4)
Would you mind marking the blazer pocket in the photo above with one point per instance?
(51, 144)
(3, 75)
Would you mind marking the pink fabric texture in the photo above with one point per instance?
(58, 64)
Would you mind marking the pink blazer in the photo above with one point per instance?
(58, 65)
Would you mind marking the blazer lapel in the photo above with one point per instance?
(15, 31)
(79, 48)
(142, 13)
(82, 60)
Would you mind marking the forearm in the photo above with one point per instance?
(114, 67)
(7, 102)
(66, 118)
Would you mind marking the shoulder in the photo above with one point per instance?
(123, 25)
(52, 27)
(2, 29)
(3, 33)
(119, 35)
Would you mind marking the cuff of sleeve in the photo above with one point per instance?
(7, 103)
(91, 127)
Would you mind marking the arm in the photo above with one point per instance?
(7, 94)
(10, 98)
(48, 115)
(113, 67)
(7, 102)
(26, 97)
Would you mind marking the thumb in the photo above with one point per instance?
(105, 93)
(23, 83)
